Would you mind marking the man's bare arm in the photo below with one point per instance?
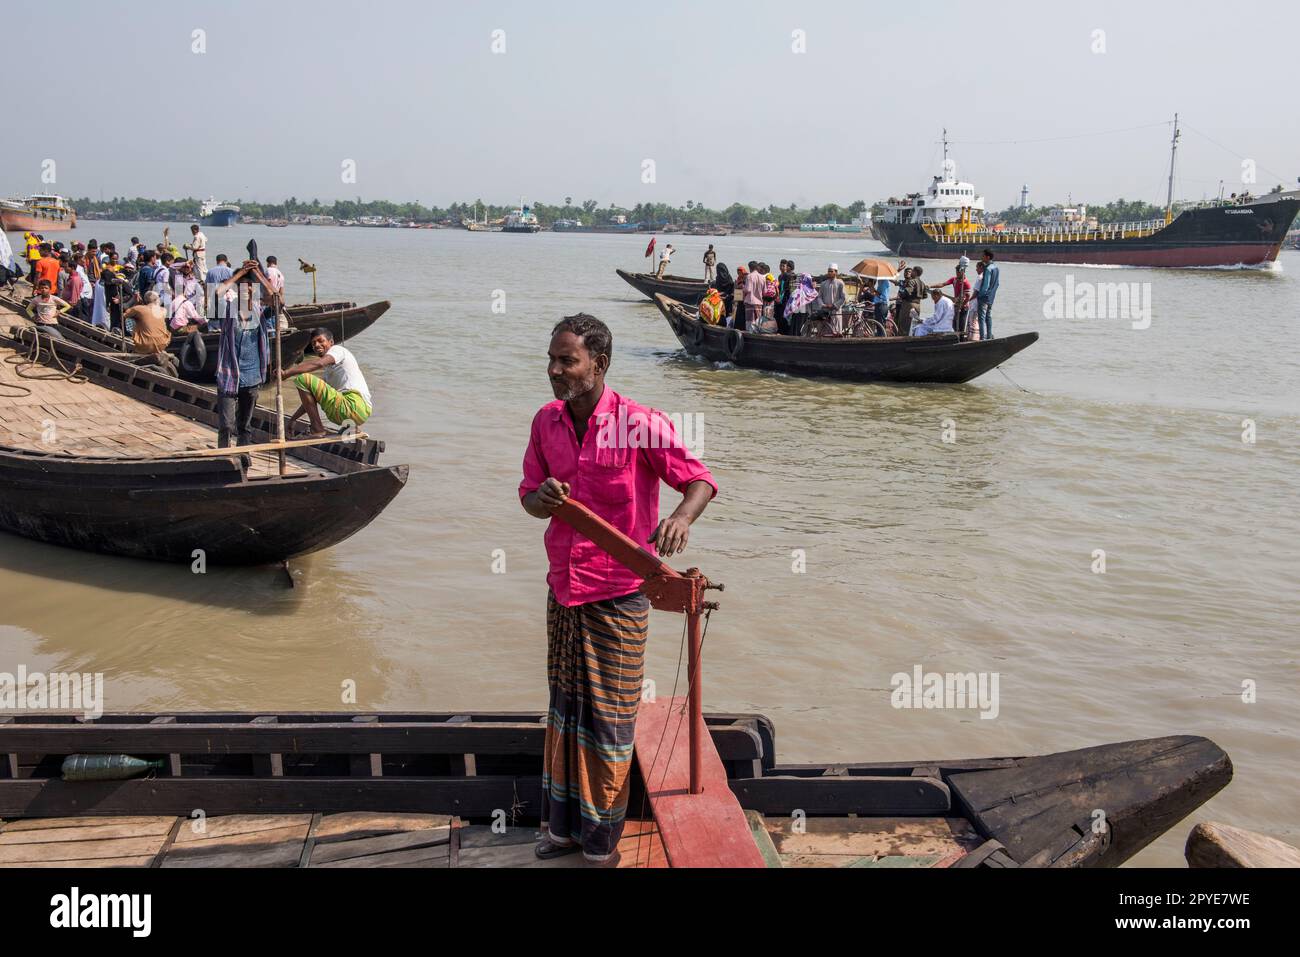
(671, 536)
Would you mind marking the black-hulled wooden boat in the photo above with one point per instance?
(343, 324)
(310, 308)
(102, 465)
(194, 367)
(937, 358)
(691, 291)
(990, 812)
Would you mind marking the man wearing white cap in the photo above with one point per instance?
(941, 321)
(831, 297)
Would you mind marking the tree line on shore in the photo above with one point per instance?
(589, 212)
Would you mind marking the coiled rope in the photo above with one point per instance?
(32, 358)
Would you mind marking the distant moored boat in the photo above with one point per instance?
(41, 213)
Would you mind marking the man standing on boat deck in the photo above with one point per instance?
(710, 260)
(199, 247)
(831, 297)
(986, 293)
(47, 267)
(755, 284)
(665, 257)
(220, 305)
(32, 252)
(610, 453)
(243, 354)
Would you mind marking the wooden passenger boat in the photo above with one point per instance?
(937, 358)
(308, 308)
(423, 789)
(691, 291)
(193, 366)
(116, 464)
(344, 321)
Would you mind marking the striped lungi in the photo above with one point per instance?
(594, 666)
(339, 407)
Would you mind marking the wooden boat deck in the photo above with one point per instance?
(82, 418)
(346, 839)
(374, 839)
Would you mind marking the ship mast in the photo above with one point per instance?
(1173, 152)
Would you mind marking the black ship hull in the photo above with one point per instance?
(1249, 235)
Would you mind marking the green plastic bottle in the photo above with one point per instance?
(105, 767)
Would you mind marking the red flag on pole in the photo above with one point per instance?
(650, 250)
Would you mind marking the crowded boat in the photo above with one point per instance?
(879, 301)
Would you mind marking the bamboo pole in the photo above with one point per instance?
(278, 308)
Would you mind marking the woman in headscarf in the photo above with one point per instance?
(726, 287)
(802, 294)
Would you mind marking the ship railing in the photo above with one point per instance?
(1043, 234)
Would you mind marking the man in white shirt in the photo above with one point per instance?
(199, 247)
(941, 321)
(664, 258)
(831, 297)
(329, 379)
(275, 277)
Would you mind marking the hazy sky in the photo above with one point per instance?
(712, 92)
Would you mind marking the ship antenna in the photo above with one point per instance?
(1173, 151)
(945, 151)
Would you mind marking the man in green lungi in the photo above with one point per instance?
(330, 379)
(609, 453)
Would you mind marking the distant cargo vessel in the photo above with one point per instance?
(947, 222)
(522, 220)
(212, 213)
(619, 224)
(44, 213)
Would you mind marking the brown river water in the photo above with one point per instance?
(854, 541)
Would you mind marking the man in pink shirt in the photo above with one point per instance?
(609, 453)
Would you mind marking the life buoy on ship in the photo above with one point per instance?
(735, 344)
(194, 354)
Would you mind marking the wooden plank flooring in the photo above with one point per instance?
(344, 840)
(363, 839)
(88, 419)
(866, 842)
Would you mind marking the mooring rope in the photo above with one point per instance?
(22, 363)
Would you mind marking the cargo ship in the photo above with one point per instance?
(947, 222)
(212, 213)
(44, 213)
(522, 220)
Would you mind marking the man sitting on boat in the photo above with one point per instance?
(941, 321)
(331, 380)
(611, 454)
(149, 333)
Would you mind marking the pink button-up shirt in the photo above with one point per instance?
(627, 450)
